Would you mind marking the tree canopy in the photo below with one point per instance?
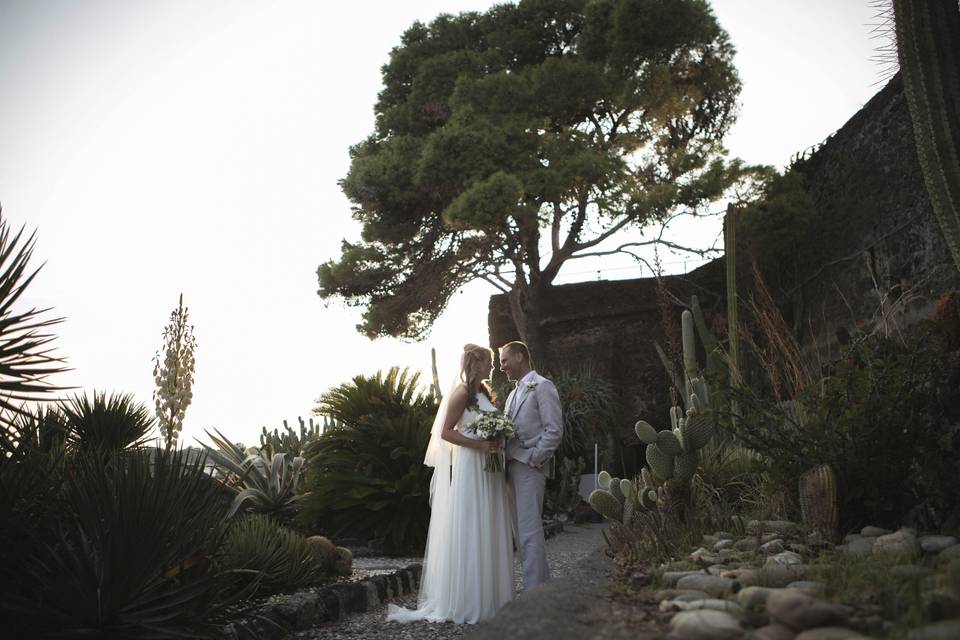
(511, 141)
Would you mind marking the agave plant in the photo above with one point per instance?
(266, 482)
(267, 555)
(25, 356)
(130, 556)
(106, 423)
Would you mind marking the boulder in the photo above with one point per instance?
(785, 558)
(936, 544)
(898, 543)
(705, 624)
(799, 610)
(874, 532)
(754, 597)
(775, 631)
(713, 585)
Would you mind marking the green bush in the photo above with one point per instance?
(590, 409)
(885, 419)
(123, 547)
(106, 423)
(268, 557)
(366, 475)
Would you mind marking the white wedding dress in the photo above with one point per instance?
(468, 563)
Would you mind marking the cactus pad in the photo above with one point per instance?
(686, 464)
(646, 478)
(668, 443)
(615, 489)
(626, 488)
(646, 432)
(603, 480)
(697, 431)
(648, 499)
(605, 504)
(660, 463)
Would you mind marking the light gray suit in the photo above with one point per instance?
(534, 407)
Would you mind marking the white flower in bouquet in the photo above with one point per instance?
(493, 425)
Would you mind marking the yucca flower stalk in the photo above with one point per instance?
(173, 374)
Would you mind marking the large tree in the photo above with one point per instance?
(510, 142)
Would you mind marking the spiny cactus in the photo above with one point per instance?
(928, 50)
(290, 441)
(818, 501)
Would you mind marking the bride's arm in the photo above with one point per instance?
(455, 407)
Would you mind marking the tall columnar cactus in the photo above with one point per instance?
(928, 50)
(818, 501)
(733, 332)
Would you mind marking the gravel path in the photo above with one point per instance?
(563, 552)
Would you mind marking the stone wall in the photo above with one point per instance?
(875, 226)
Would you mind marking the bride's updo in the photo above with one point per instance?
(474, 364)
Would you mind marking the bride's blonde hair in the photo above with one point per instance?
(474, 356)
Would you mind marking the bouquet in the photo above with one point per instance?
(493, 425)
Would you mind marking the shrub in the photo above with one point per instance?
(126, 551)
(590, 409)
(882, 420)
(106, 423)
(366, 475)
(268, 557)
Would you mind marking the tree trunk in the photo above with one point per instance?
(526, 307)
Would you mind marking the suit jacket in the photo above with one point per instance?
(538, 423)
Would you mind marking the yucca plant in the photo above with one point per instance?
(265, 482)
(590, 409)
(268, 557)
(25, 355)
(366, 475)
(106, 422)
(132, 555)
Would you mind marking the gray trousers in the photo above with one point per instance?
(526, 488)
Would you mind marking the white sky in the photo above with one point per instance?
(160, 147)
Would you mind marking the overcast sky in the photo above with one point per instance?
(195, 147)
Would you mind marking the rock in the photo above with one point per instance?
(899, 543)
(745, 575)
(746, 544)
(724, 535)
(859, 548)
(774, 546)
(696, 554)
(802, 549)
(713, 604)
(785, 558)
(941, 605)
(670, 578)
(807, 586)
(850, 537)
(691, 595)
(910, 572)
(343, 565)
(713, 585)
(946, 630)
(710, 540)
(780, 575)
(723, 544)
(830, 633)
(874, 532)
(936, 544)
(676, 594)
(770, 537)
(705, 625)
(772, 526)
(802, 611)
(951, 552)
(716, 569)
(752, 597)
(775, 631)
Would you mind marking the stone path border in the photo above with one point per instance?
(282, 616)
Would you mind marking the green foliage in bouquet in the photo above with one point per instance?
(366, 476)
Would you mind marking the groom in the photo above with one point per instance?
(534, 406)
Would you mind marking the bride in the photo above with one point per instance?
(468, 562)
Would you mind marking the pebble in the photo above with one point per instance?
(899, 543)
(713, 604)
(808, 586)
(858, 548)
(785, 558)
(745, 544)
(713, 585)
(946, 630)
(874, 532)
(752, 597)
(774, 546)
(705, 625)
(850, 537)
(829, 633)
(723, 544)
(802, 611)
(780, 575)
(775, 631)
(676, 594)
(746, 576)
(936, 544)
(670, 578)
(770, 537)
